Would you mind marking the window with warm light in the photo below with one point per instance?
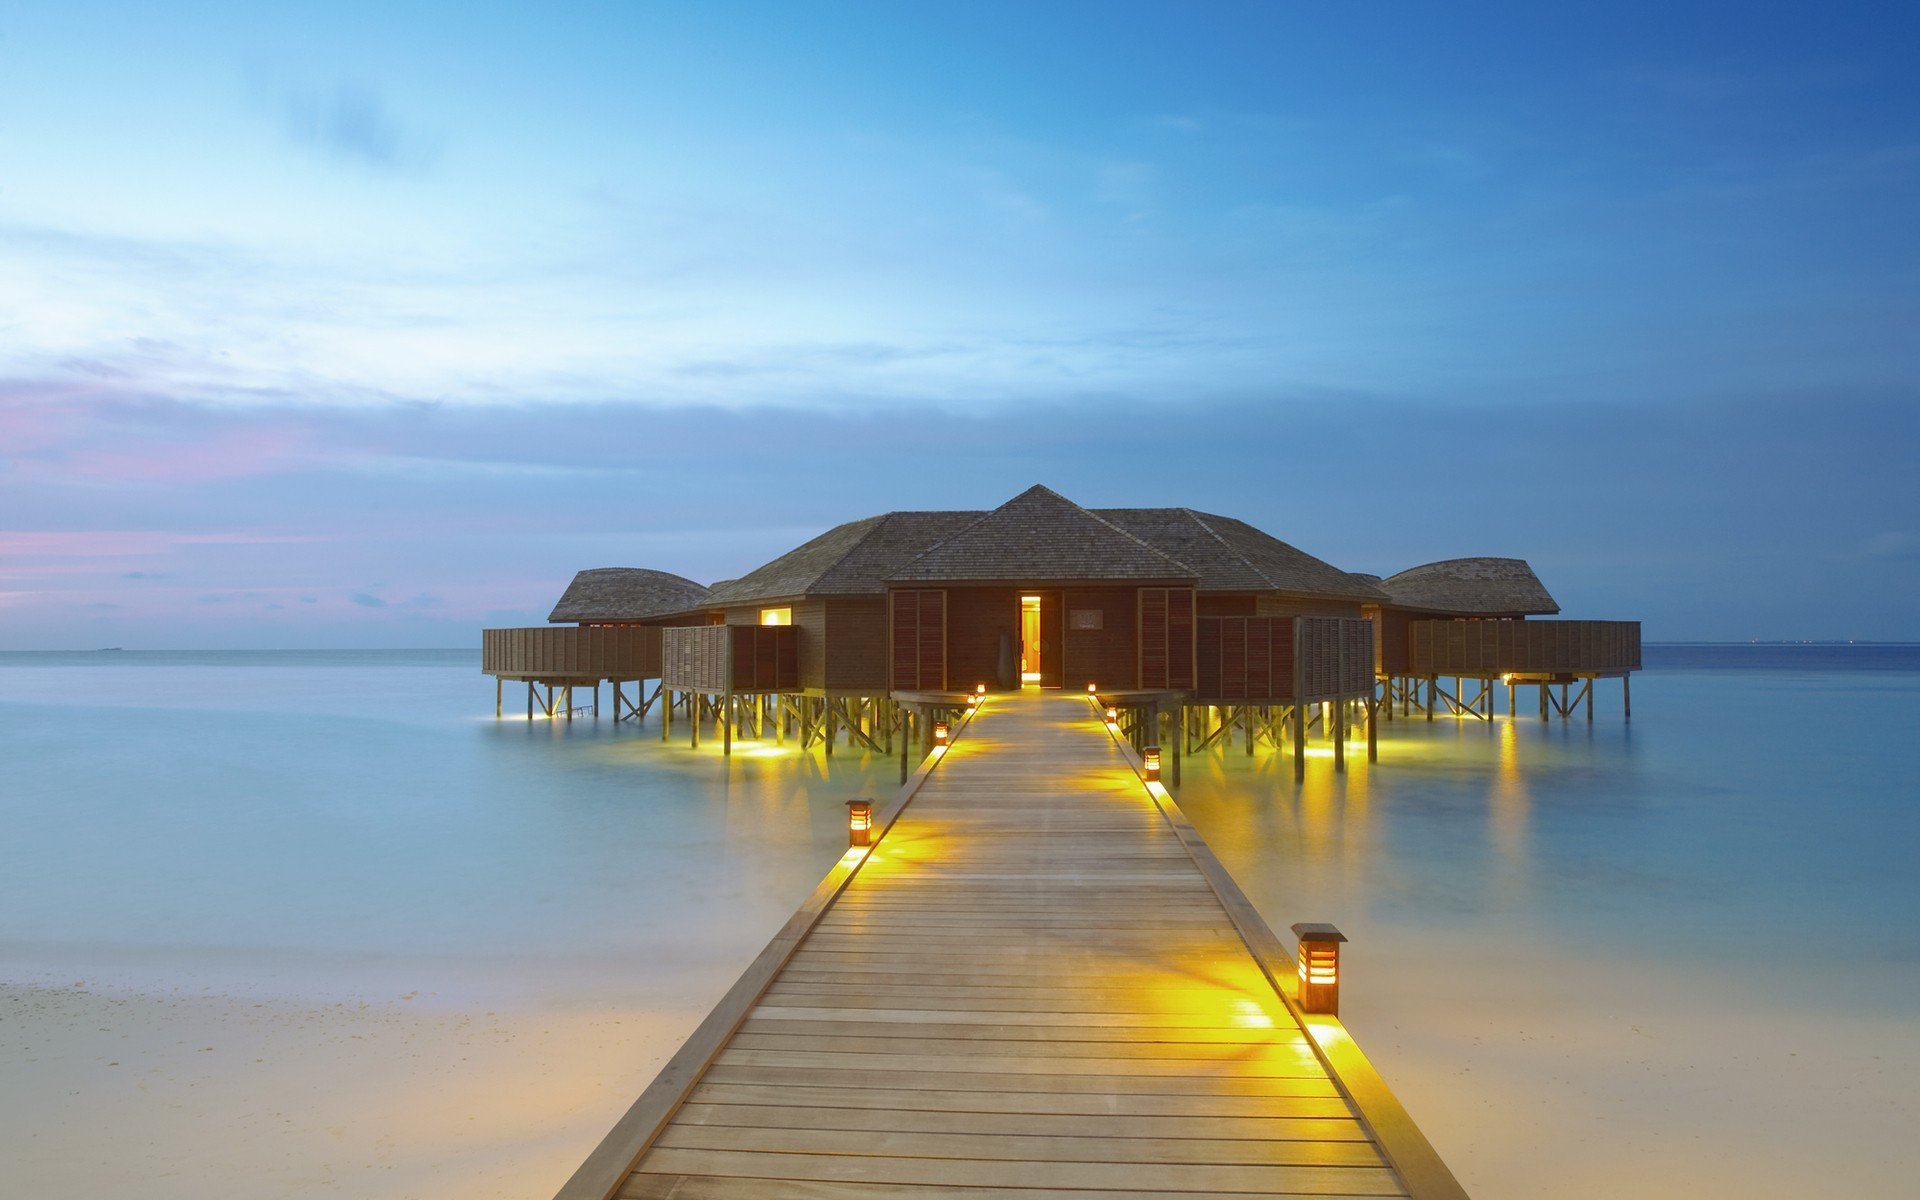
(776, 616)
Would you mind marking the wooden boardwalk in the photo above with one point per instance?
(1031, 988)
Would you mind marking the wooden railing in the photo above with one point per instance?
(572, 652)
(731, 658)
(1283, 659)
(1485, 648)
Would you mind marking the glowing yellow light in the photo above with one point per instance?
(980, 689)
(940, 733)
(1093, 689)
(860, 822)
(1150, 763)
(776, 616)
(1319, 967)
(1113, 716)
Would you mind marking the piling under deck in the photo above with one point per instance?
(1039, 983)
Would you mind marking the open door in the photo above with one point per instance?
(1042, 640)
(1029, 639)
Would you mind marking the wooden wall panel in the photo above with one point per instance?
(731, 658)
(1166, 637)
(694, 658)
(918, 645)
(577, 651)
(1252, 658)
(855, 628)
(1226, 604)
(815, 643)
(1522, 647)
(1109, 655)
(1269, 605)
(977, 619)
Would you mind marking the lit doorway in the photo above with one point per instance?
(1029, 639)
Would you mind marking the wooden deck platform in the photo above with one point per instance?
(1033, 986)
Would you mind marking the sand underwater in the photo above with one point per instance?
(309, 923)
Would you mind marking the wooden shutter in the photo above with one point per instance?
(919, 640)
(1166, 637)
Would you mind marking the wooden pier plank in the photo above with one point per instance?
(1029, 988)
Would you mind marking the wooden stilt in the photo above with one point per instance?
(832, 729)
(1626, 695)
(695, 703)
(1589, 701)
(906, 740)
(727, 706)
(1433, 688)
(1543, 701)
(499, 685)
(1373, 730)
(1176, 719)
(666, 714)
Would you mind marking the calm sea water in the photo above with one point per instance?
(263, 814)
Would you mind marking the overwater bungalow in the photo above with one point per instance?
(1183, 619)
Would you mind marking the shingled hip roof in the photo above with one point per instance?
(1484, 587)
(852, 559)
(1041, 536)
(626, 594)
(1229, 555)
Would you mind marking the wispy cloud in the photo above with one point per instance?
(353, 123)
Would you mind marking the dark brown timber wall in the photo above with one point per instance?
(1102, 637)
(1515, 647)
(977, 618)
(576, 651)
(856, 642)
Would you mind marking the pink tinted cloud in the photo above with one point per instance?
(232, 454)
(81, 433)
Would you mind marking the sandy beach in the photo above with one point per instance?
(1529, 1081)
(175, 1094)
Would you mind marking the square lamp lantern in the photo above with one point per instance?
(940, 733)
(860, 822)
(1093, 689)
(1150, 763)
(1113, 716)
(1319, 967)
(980, 689)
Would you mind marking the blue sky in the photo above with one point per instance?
(368, 324)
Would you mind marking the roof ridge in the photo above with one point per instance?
(1128, 534)
(1151, 557)
(1200, 519)
(879, 519)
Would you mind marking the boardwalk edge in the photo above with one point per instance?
(604, 1173)
(1419, 1165)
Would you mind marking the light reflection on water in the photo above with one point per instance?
(368, 803)
(1738, 812)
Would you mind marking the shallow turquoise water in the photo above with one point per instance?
(304, 808)
(252, 807)
(1745, 811)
